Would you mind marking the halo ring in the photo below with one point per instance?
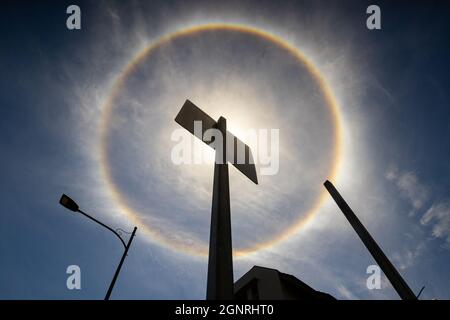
(118, 83)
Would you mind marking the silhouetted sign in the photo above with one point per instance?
(238, 153)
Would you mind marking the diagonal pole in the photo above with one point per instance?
(220, 261)
(388, 268)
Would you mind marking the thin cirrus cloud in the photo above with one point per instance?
(437, 217)
(410, 188)
(434, 214)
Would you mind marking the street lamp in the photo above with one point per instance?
(68, 203)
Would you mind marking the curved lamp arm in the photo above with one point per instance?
(104, 225)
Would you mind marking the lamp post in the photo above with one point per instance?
(68, 203)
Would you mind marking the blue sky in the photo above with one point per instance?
(392, 90)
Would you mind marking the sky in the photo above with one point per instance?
(71, 123)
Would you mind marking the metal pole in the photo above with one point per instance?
(220, 261)
(111, 286)
(388, 268)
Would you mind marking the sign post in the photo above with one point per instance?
(220, 259)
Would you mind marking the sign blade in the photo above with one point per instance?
(190, 113)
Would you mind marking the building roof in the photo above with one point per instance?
(261, 283)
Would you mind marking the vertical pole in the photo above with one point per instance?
(220, 264)
(388, 268)
(111, 286)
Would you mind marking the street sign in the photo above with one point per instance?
(190, 113)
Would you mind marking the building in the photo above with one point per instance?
(269, 284)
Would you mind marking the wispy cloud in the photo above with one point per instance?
(407, 258)
(418, 195)
(410, 188)
(344, 292)
(438, 217)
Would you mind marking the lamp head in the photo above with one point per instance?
(68, 203)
